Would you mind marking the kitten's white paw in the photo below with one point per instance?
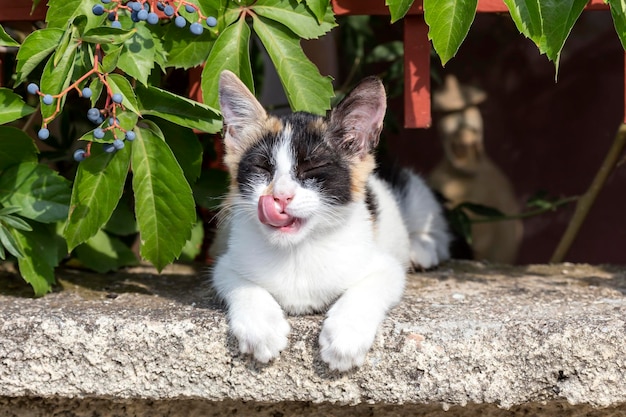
(344, 343)
(423, 251)
(262, 333)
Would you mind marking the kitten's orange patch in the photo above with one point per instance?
(361, 169)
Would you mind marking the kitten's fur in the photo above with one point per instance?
(308, 225)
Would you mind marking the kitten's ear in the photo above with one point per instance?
(240, 110)
(358, 120)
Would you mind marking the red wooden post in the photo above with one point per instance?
(416, 73)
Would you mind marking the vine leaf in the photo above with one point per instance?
(119, 84)
(5, 39)
(17, 147)
(43, 249)
(231, 51)
(98, 187)
(104, 253)
(306, 89)
(154, 101)
(12, 107)
(164, 205)
(298, 18)
(35, 48)
(40, 192)
(618, 11)
(398, 8)
(449, 22)
(546, 23)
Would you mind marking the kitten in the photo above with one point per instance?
(310, 228)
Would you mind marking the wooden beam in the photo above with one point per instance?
(416, 73)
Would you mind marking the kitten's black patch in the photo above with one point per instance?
(393, 174)
(372, 203)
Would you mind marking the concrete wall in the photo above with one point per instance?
(471, 338)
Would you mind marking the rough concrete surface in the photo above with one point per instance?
(470, 338)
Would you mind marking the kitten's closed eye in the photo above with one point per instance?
(313, 169)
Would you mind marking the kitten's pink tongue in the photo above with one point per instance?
(269, 213)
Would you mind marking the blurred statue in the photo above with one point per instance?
(466, 174)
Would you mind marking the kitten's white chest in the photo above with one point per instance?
(310, 276)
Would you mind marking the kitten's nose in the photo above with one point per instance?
(282, 200)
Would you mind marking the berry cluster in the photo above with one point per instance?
(148, 11)
(112, 105)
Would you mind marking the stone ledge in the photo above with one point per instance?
(483, 339)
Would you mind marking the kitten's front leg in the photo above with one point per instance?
(352, 322)
(254, 316)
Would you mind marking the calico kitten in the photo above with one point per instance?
(309, 228)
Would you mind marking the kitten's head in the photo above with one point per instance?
(297, 175)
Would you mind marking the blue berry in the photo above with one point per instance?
(43, 133)
(112, 16)
(118, 144)
(87, 92)
(168, 10)
(196, 28)
(161, 6)
(180, 21)
(32, 88)
(130, 135)
(47, 99)
(113, 121)
(93, 114)
(211, 21)
(106, 1)
(153, 18)
(133, 17)
(117, 98)
(79, 155)
(116, 24)
(98, 9)
(108, 147)
(142, 14)
(98, 133)
(190, 8)
(134, 5)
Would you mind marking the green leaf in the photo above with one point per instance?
(449, 22)
(153, 101)
(40, 192)
(98, 186)
(164, 205)
(618, 11)
(231, 51)
(546, 23)
(119, 84)
(194, 244)
(186, 148)
(6, 40)
(35, 48)
(138, 57)
(17, 147)
(398, 8)
(12, 107)
(319, 8)
(122, 221)
(56, 78)
(186, 50)
(296, 16)
(460, 223)
(62, 12)
(104, 253)
(111, 56)
(306, 89)
(386, 52)
(13, 221)
(42, 250)
(8, 242)
(107, 35)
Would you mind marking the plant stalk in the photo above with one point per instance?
(586, 200)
